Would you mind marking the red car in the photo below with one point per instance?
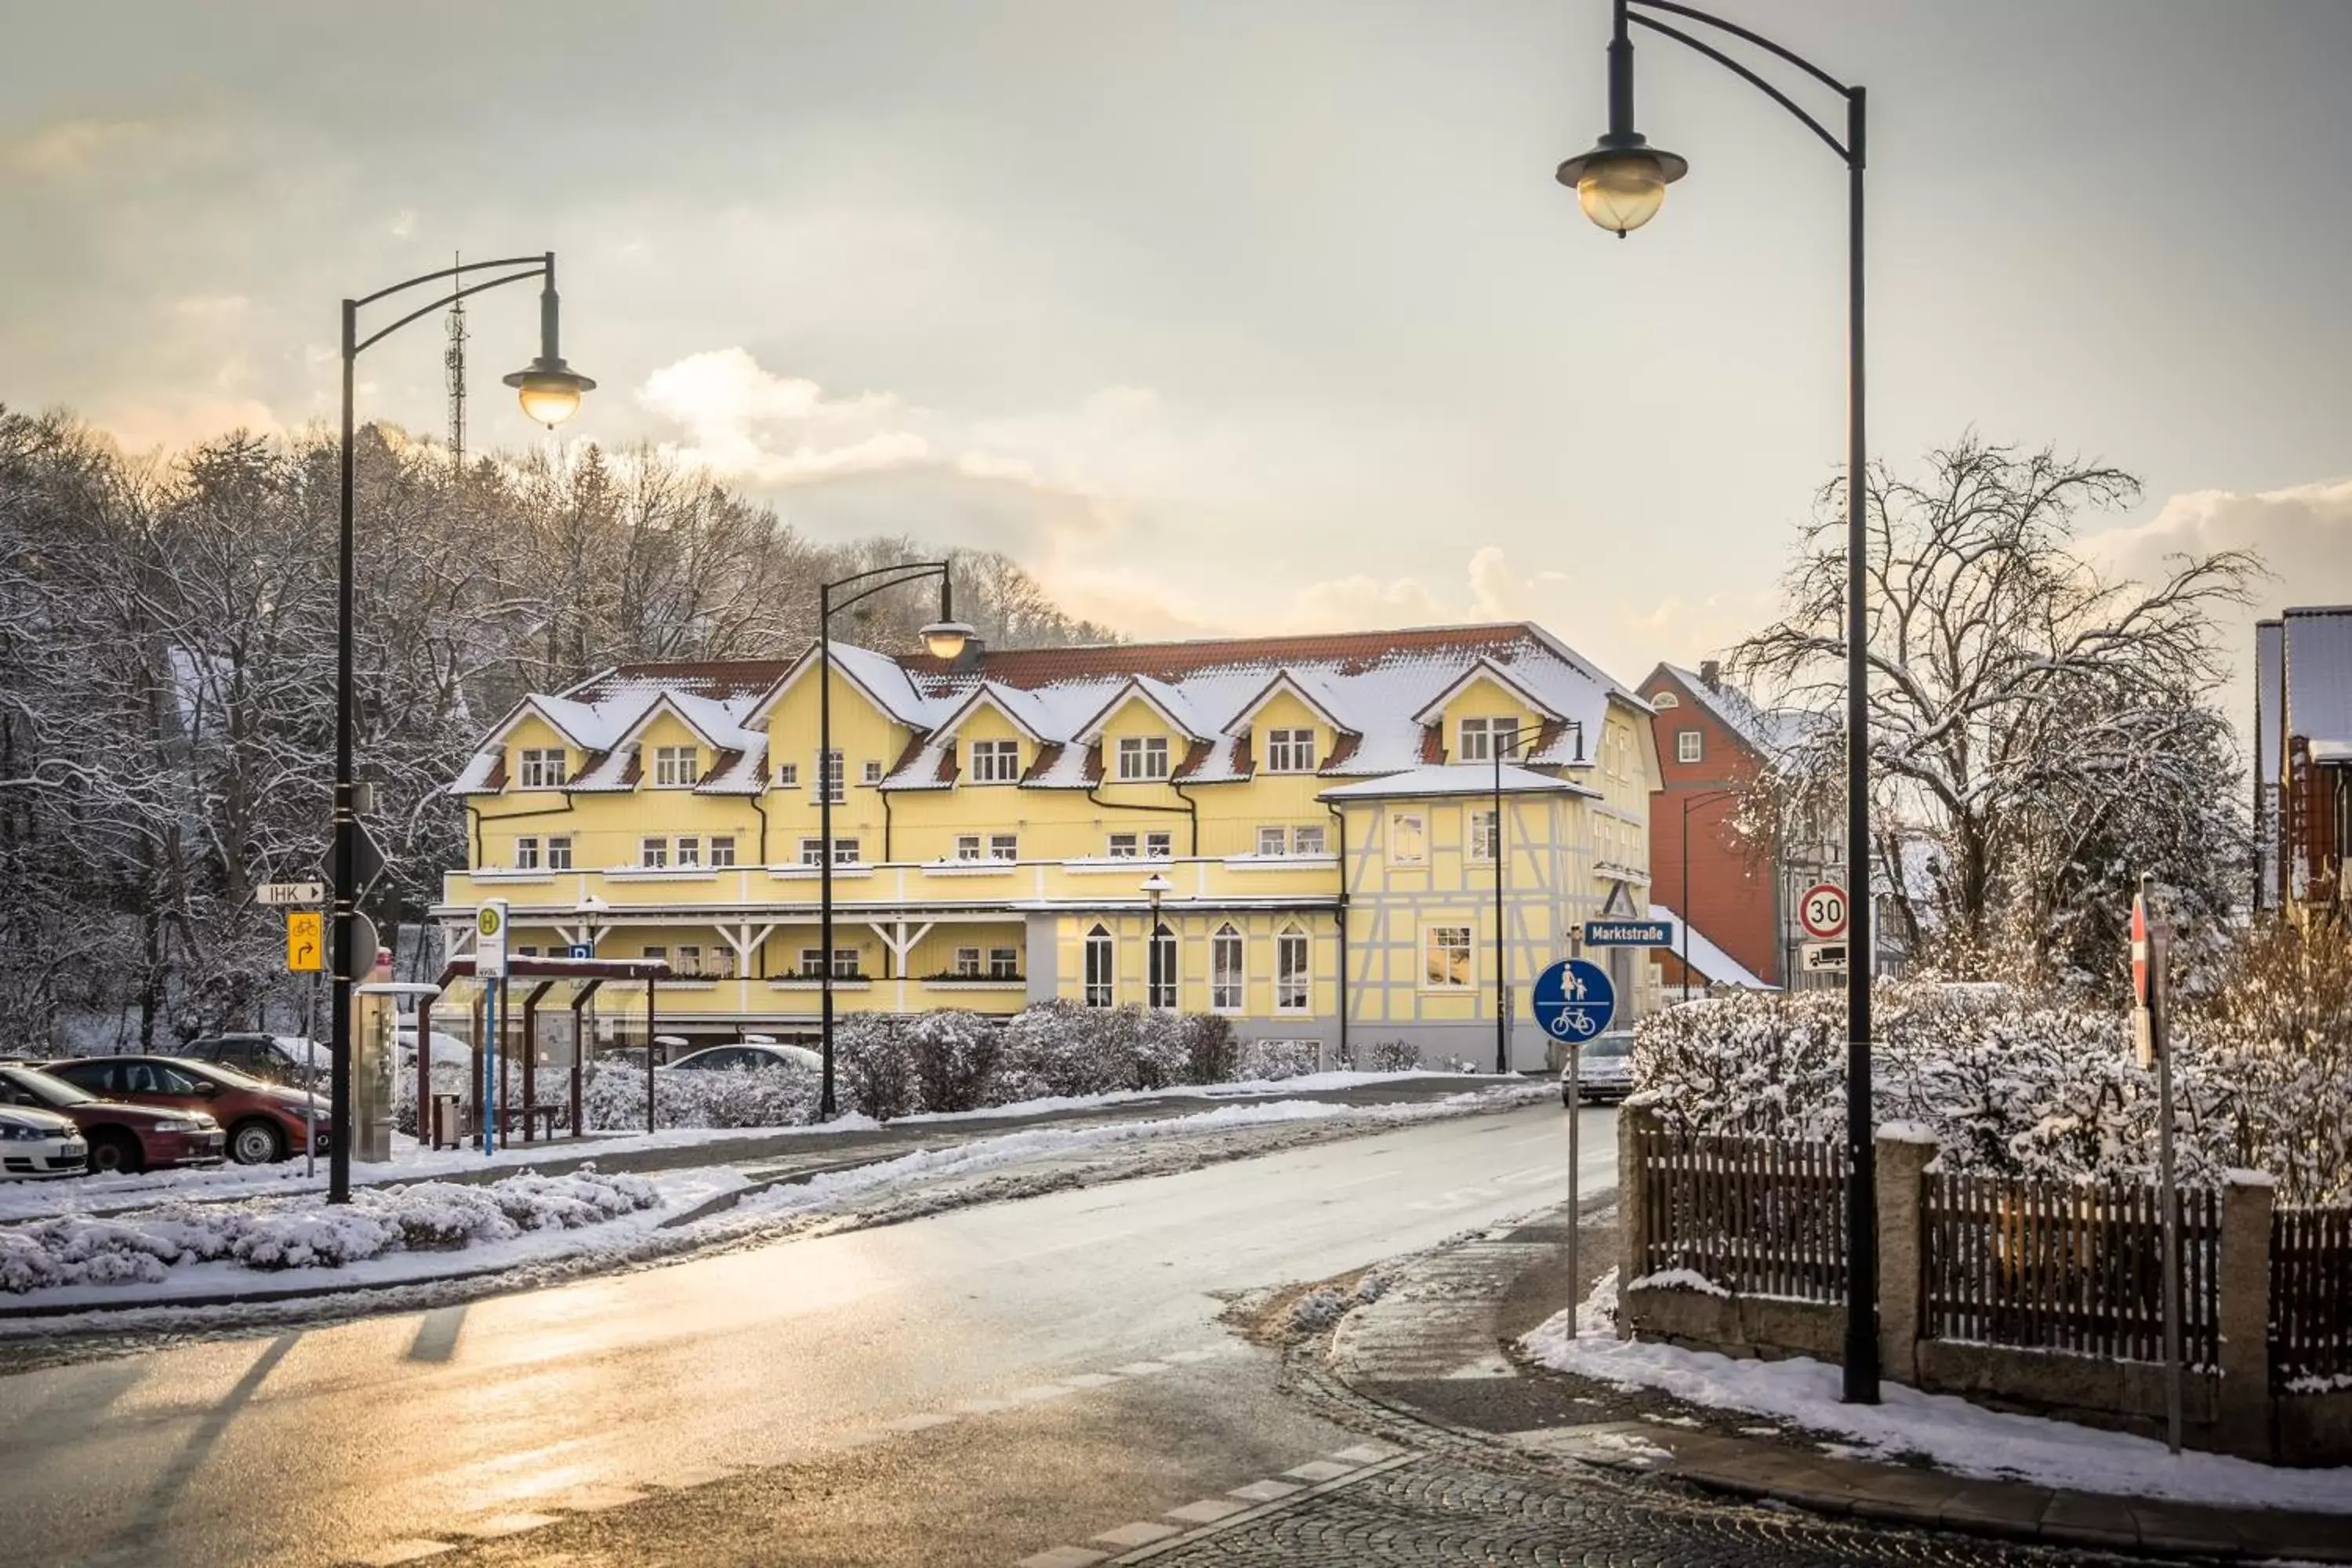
(264, 1122)
(120, 1137)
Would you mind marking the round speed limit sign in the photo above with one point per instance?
(1821, 911)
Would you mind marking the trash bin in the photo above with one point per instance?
(448, 1122)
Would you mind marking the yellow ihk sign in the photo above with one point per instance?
(306, 943)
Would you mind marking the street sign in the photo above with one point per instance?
(1821, 911)
(1824, 957)
(1629, 933)
(581, 949)
(367, 862)
(290, 893)
(306, 942)
(2139, 949)
(490, 940)
(1574, 1000)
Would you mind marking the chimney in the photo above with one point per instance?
(1710, 671)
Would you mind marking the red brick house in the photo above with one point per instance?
(1712, 741)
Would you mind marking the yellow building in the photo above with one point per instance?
(1320, 809)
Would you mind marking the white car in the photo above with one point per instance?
(41, 1144)
(799, 1059)
(1604, 1068)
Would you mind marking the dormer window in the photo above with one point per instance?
(1142, 757)
(1484, 739)
(541, 767)
(995, 761)
(674, 767)
(1290, 750)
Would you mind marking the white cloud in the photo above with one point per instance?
(749, 423)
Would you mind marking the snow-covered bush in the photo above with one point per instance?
(1161, 1054)
(1058, 1047)
(874, 1068)
(952, 1056)
(1395, 1055)
(277, 1234)
(1266, 1060)
(778, 1096)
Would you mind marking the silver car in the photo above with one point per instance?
(1605, 1069)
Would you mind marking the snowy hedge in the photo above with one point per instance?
(2009, 1084)
(892, 1066)
(613, 1097)
(75, 1249)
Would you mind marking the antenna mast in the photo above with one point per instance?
(453, 361)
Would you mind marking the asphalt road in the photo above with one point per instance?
(973, 1386)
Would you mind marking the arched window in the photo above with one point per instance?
(1161, 991)
(1101, 968)
(1293, 988)
(1226, 972)
(1666, 700)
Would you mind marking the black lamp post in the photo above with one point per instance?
(1689, 801)
(550, 392)
(943, 638)
(1621, 183)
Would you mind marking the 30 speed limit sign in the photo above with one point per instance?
(1821, 911)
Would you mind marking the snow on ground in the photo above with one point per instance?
(1953, 1434)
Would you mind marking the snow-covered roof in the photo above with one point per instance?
(1719, 966)
(1772, 731)
(2319, 676)
(1455, 779)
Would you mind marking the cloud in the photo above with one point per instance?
(747, 423)
(72, 147)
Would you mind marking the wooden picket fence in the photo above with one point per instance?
(2311, 1294)
(1757, 1216)
(2050, 1265)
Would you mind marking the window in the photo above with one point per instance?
(542, 767)
(788, 775)
(687, 850)
(995, 761)
(1690, 745)
(559, 853)
(657, 954)
(1159, 845)
(526, 952)
(844, 851)
(1100, 959)
(1143, 757)
(1307, 840)
(1123, 846)
(1290, 750)
(845, 964)
(1484, 739)
(1004, 964)
(722, 849)
(1445, 958)
(1482, 834)
(967, 964)
(1270, 840)
(674, 767)
(873, 773)
(967, 846)
(653, 852)
(1152, 846)
(1291, 988)
(1666, 700)
(689, 959)
(1003, 846)
(833, 790)
(526, 854)
(1408, 843)
(1226, 970)
(1161, 993)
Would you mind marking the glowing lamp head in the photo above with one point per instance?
(944, 640)
(550, 390)
(1621, 183)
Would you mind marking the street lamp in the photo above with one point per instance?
(944, 638)
(1621, 183)
(1689, 801)
(550, 392)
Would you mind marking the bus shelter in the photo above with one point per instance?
(540, 975)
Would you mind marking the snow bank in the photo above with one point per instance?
(1953, 1434)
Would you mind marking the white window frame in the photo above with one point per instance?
(1467, 947)
(995, 761)
(967, 964)
(1100, 971)
(690, 960)
(1290, 750)
(722, 851)
(1228, 969)
(1308, 838)
(788, 775)
(1159, 845)
(676, 767)
(832, 771)
(1294, 971)
(559, 852)
(653, 852)
(871, 774)
(1666, 700)
(1143, 759)
(1273, 841)
(1160, 969)
(1004, 847)
(526, 853)
(1401, 850)
(1690, 745)
(845, 852)
(967, 846)
(845, 964)
(1124, 845)
(1480, 830)
(541, 767)
(1489, 733)
(1004, 964)
(686, 849)
(657, 952)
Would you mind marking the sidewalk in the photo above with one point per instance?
(1437, 1347)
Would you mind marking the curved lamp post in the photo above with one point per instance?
(550, 392)
(943, 639)
(1621, 183)
(1704, 797)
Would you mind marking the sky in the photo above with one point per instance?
(1226, 317)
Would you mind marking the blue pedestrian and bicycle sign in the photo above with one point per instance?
(1574, 1001)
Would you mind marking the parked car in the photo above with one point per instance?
(265, 1121)
(122, 1137)
(797, 1058)
(453, 1059)
(41, 1144)
(288, 1059)
(1605, 1068)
